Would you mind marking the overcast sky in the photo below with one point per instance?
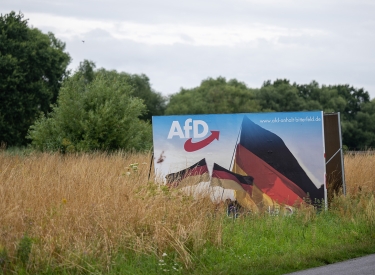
(180, 43)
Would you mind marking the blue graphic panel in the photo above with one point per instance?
(294, 139)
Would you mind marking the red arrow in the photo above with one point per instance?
(189, 146)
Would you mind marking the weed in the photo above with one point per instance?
(24, 249)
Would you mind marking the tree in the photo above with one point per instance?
(214, 96)
(32, 67)
(356, 111)
(359, 132)
(98, 115)
(87, 68)
(155, 102)
(280, 96)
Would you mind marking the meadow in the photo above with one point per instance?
(102, 214)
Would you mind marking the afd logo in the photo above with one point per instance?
(193, 129)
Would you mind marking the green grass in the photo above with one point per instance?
(278, 245)
(268, 245)
(250, 245)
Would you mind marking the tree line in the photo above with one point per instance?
(48, 107)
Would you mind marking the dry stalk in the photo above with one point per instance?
(94, 205)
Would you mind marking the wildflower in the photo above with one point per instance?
(164, 254)
(134, 166)
(63, 201)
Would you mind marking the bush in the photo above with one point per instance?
(96, 115)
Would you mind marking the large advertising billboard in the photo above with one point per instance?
(257, 159)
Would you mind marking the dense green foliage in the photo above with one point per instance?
(32, 67)
(214, 96)
(100, 114)
(221, 96)
(154, 101)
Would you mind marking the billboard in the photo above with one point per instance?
(257, 159)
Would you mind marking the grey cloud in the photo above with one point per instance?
(320, 14)
(187, 38)
(98, 34)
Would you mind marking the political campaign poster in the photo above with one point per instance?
(257, 159)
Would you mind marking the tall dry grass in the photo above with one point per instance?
(95, 205)
(360, 173)
(359, 201)
(77, 207)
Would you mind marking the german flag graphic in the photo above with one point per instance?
(242, 185)
(190, 176)
(276, 172)
(271, 150)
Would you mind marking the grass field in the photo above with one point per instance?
(99, 214)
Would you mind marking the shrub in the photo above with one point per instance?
(99, 115)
